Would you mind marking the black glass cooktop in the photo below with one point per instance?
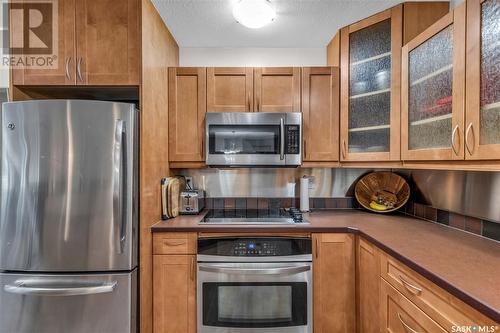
(254, 216)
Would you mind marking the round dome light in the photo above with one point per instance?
(254, 13)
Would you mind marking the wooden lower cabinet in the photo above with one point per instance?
(368, 286)
(174, 294)
(438, 304)
(334, 283)
(399, 315)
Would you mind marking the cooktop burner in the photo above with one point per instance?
(254, 216)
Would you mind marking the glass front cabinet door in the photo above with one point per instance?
(370, 76)
(433, 91)
(482, 126)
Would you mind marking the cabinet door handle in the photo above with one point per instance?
(343, 149)
(79, 69)
(249, 103)
(317, 248)
(192, 268)
(68, 74)
(453, 136)
(405, 325)
(258, 104)
(410, 287)
(305, 149)
(469, 128)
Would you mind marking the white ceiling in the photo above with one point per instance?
(299, 23)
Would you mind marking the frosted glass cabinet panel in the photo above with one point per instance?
(490, 73)
(483, 80)
(430, 92)
(370, 89)
(433, 91)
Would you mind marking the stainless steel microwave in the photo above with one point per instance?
(248, 139)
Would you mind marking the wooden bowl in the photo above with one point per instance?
(385, 188)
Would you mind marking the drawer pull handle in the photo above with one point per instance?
(174, 243)
(410, 287)
(405, 325)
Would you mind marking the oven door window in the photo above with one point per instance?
(254, 305)
(244, 139)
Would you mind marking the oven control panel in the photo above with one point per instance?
(255, 246)
(250, 247)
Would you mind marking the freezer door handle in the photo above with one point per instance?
(38, 288)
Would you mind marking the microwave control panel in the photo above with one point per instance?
(292, 139)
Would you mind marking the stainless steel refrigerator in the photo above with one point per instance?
(68, 217)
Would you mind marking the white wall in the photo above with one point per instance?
(251, 57)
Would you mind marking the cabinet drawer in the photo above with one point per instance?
(399, 315)
(441, 306)
(174, 243)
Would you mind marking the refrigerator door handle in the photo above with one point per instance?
(119, 184)
(36, 288)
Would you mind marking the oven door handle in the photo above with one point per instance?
(255, 271)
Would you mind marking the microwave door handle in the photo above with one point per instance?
(255, 271)
(282, 139)
(23, 288)
(118, 184)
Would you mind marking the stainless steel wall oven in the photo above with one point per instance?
(254, 285)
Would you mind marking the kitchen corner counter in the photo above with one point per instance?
(466, 265)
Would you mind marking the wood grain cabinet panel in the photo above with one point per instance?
(333, 283)
(399, 315)
(277, 89)
(174, 243)
(442, 307)
(368, 286)
(64, 72)
(320, 107)
(186, 114)
(108, 44)
(174, 294)
(229, 89)
(433, 92)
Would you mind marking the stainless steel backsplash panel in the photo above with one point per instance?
(469, 193)
(273, 183)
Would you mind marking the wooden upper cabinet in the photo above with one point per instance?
(320, 108)
(333, 283)
(368, 286)
(433, 91)
(483, 83)
(229, 89)
(174, 293)
(277, 89)
(371, 79)
(186, 114)
(98, 44)
(64, 71)
(107, 38)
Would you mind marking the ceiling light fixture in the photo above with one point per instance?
(254, 14)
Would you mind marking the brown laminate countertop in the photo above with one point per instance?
(466, 265)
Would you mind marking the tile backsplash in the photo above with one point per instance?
(273, 203)
(474, 225)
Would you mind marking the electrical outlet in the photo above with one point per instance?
(189, 183)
